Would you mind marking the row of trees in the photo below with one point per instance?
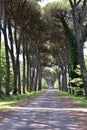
(44, 37)
(20, 25)
(73, 20)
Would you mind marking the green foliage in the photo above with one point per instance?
(72, 43)
(49, 70)
(77, 82)
(3, 70)
(78, 70)
(86, 61)
(44, 84)
(79, 99)
(11, 79)
(3, 66)
(56, 84)
(6, 102)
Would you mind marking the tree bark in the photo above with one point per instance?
(59, 81)
(65, 78)
(7, 62)
(37, 70)
(23, 68)
(11, 50)
(32, 77)
(32, 70)
(0, 47)
(15, 65)
(28, 65)
(36, 78)
(28, 73)
(40, 79)
(1, 18)
(18, 67)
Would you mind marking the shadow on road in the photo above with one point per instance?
(46, 112)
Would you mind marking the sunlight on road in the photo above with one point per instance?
(49, 109)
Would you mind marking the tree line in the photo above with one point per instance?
(49, 36)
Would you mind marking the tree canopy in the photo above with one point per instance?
(50, 36)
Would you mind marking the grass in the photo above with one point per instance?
(6, 102)
(79, 99)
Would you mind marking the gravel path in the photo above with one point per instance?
(45, 112)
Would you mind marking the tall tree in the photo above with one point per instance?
(60, 48)
(7, 59)
(79, 13)
(1, 19)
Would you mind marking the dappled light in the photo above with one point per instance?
(39, 120)
(45, 113)
(42, 49)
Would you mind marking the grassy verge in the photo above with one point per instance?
(6, 102)
(78, 99)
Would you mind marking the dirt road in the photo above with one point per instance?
(45, 112)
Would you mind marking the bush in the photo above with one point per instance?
(77, 82)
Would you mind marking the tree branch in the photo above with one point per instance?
(84, 4)
(1, 28)
(74, 2)
(78, 2)
(71, 3)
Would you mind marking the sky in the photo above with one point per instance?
(44, 2)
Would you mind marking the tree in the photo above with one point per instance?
(78, 12)
(1, 18)
(60, 48)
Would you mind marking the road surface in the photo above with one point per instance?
(45, 112)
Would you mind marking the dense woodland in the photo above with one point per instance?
(51, 36)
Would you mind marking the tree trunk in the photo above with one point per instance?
(78, 27)
(32, 70)
(18, 69)
(82, 66)
(15, 80)
(11, 50)
(0, 64)
(59, 78)
(36, 78)
(65, 79)
(62, 87)
(59, 81)
(23, 68)
(15, 65)
(36, 70)
(1, 18)
(32, 79)
(28, 75)
(36, 75)
(28, 66)
(81, 56)
(7, 62)
(40, 79)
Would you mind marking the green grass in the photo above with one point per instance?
(79, 99)
(6, 102)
